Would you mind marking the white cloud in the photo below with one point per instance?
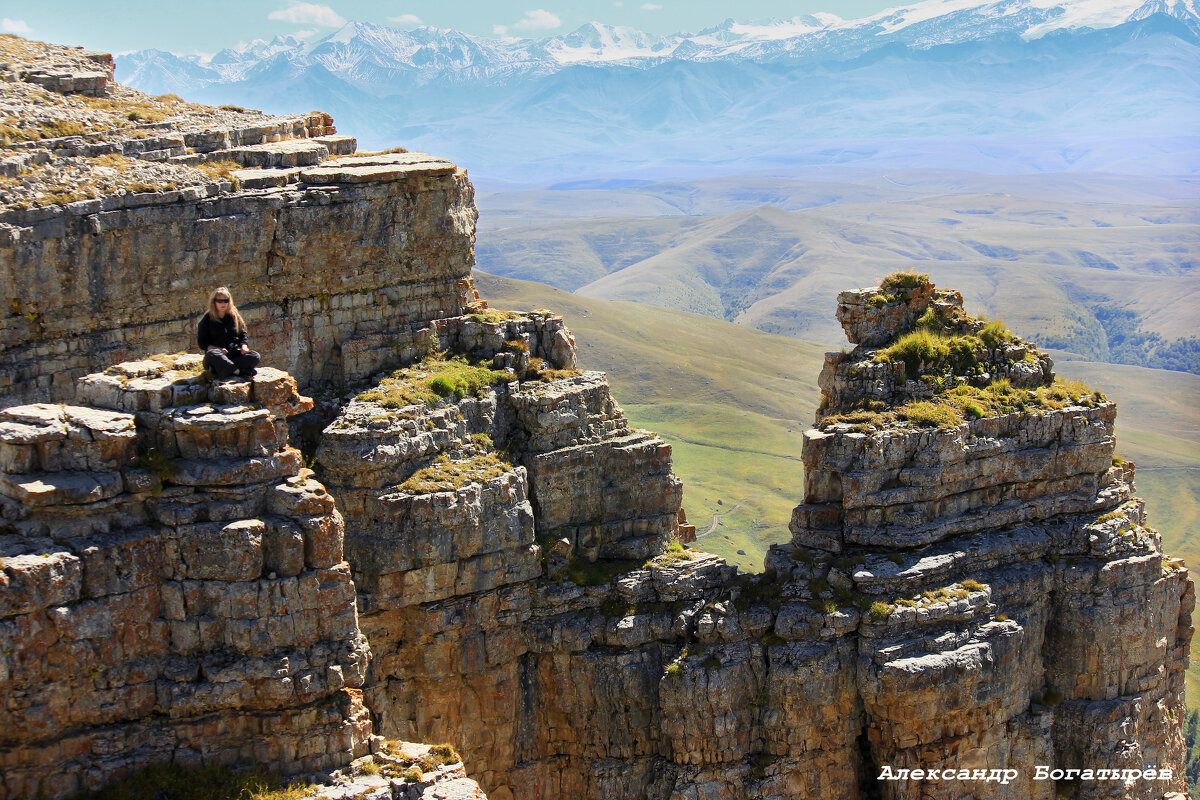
(306, 33)
(539, 19)
(406, 19)
(618, 4)
(651, 7)
(308, 14)
(500, 30)
(15, 26)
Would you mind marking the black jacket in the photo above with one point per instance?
(222, 333)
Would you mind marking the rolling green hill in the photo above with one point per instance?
(1094, 265)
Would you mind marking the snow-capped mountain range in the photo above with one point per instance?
(374, 57)
(936, 68)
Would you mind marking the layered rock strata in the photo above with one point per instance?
(1018, 612)
(337, 277)
(111, 238)
(172, 587)
(982, 596)
(446, 566)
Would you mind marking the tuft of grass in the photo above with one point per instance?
(861, 420)
(930, 415)
(880, 611)
(444, 755)
(904, 280)
(929, 351)
(994, 334)
(879, 300)
(114, 161)
(140, 187)
(615, 607)
(674, 670)
(1063, 393)
(154, 462)
(823, 606)
(380, 152)
(675, 552)
(950, 407)
(493, 316)
(536, 370)
(973, 410)
(433, 380)
(442, 386)
(446, 475)
(972, 585)
(221, 170)
(758, 590)
(413, 775)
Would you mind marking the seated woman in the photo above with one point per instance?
(222, 337)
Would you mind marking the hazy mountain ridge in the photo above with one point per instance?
(374, 56)
(1100, 266)
(1118, 99)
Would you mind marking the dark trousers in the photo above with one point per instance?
(223, 363)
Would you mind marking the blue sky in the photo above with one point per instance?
(209, 25)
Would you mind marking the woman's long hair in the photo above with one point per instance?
(223, 291)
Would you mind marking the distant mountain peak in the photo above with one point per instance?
(860, 78)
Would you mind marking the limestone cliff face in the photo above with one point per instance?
(451, 581)
(491, 556)
(980, 596)
(337, 263)
(172, 586)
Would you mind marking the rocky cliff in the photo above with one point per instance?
(112, 236)
(492, 556)
(173, 585)
(970, 591)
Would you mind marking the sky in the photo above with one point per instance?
(206, 26)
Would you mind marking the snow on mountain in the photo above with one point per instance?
(373, 57)
(596, 43)
(751, 94)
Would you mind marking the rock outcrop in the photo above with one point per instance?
(112, 238)
(173, 585)
(448, 539)
(970, 586)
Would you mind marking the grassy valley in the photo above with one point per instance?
(1098, 266)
